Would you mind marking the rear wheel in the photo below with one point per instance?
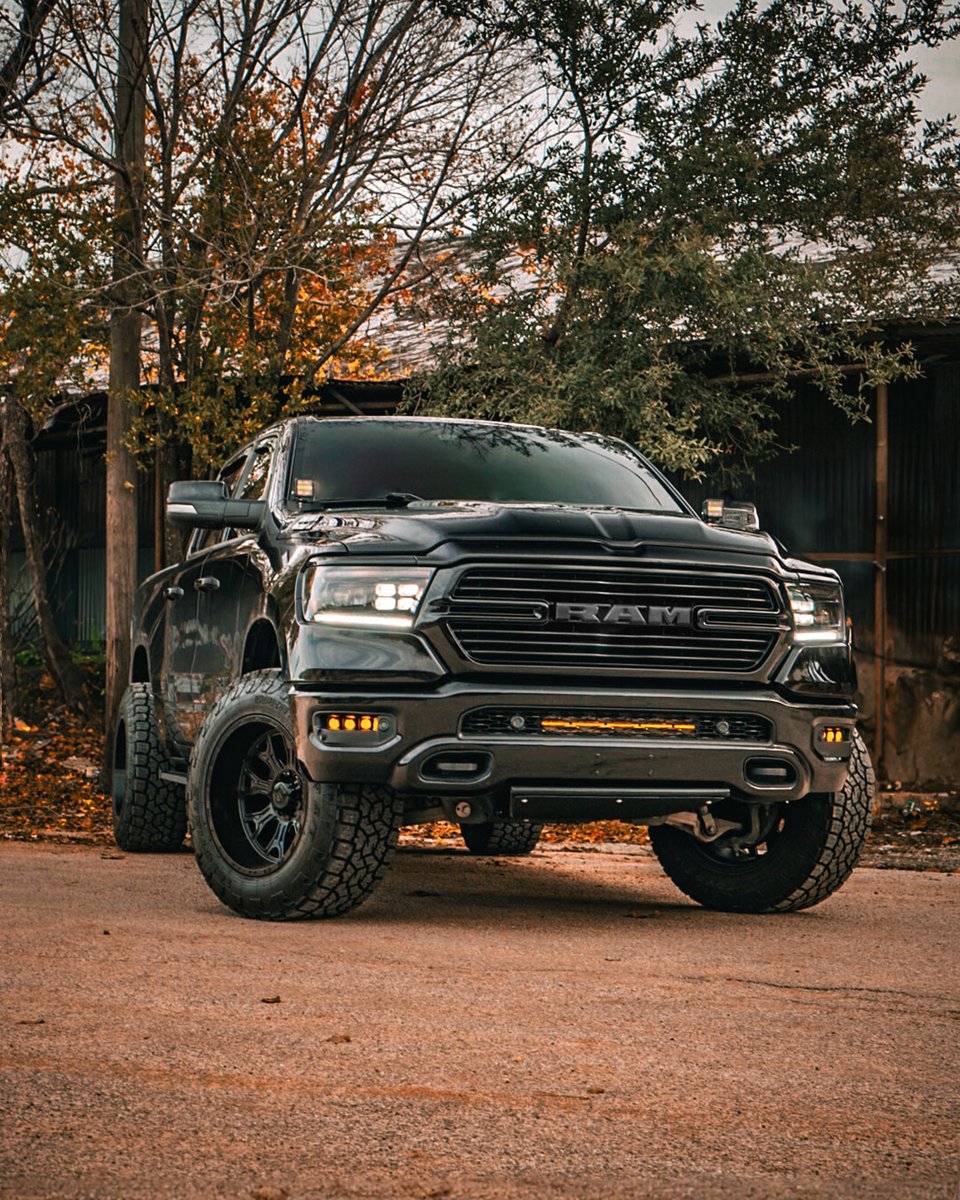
(501, 837)
(148, 813)
(271, 843)
(793, 856)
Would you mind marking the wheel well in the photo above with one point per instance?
(140, 668)
(262, 649)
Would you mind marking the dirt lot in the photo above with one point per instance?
(561, 1026)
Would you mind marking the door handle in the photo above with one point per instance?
(173, 593)
(207, 583)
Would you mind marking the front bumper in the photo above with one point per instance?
(423, 750)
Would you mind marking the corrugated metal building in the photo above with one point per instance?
(879, 501)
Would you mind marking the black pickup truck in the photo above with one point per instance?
(383, 621)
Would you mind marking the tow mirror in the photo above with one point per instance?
(204, 504)
(738, 515)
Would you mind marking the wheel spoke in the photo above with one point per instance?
(252, 785)
(285, 751)
(258, 819)
(275, 848)
(267, 754)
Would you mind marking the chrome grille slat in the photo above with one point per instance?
(503, 641)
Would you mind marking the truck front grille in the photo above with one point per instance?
(627, 618)
(615, 723)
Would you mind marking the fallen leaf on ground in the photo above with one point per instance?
(339, 1039)
(269, 999)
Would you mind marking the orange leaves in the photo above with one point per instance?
(48, 786)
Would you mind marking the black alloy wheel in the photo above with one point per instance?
(258, 814)
(270, 842)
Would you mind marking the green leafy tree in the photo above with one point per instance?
(721, 211)
(51, 337)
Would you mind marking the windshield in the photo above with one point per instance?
(397, 461)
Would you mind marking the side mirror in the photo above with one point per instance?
(739, 515)
(204, 504)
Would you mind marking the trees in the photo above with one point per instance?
(46, 332)
(295, 155)
(722, 209)
(26, 54)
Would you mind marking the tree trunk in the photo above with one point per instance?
(8, 698)
(169, 539)
(55, 653)
(125, 324)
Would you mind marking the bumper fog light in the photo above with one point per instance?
(832, 741)
(353, 728)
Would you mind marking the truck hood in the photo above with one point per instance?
(430, 528)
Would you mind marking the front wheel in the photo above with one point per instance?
(271, 843)
(800, 854)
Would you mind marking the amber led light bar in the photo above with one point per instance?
(587, 724)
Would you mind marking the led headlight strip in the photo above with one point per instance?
(817, 613)
(363, 597)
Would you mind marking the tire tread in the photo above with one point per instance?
(507, 837)
(152, 816)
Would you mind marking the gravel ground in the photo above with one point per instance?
(564, 1027)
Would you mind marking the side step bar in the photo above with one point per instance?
(574, 804)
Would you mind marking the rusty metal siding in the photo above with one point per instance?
(924, 458)
(820, 501)
(819, 498)
(90, 614)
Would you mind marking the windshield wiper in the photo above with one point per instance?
(390, 500)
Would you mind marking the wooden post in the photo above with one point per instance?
(125, 323)
(880, 580)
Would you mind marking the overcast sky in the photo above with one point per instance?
(941, 66)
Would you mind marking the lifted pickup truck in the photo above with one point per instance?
(387, 620)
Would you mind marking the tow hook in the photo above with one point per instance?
(702, 824)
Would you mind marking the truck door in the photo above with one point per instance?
(229, 593)
(184, 631)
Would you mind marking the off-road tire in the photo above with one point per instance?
(149, 814)
(501, 837)
(811, 852)
(342, 837)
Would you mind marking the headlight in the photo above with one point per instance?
(817, 613)
(371, 597)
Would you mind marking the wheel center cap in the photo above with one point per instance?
(285, 795)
